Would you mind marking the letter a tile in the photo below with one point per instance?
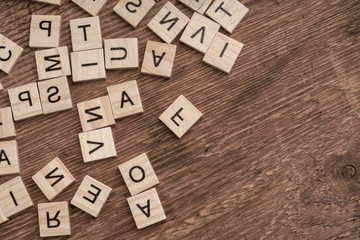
(180, 116)
(97, 144)
(158, 59)
(146, 208)
(14, 197)
(53, 179)
(91, 196)
(10, 53)
(9, 158)
(54, 219)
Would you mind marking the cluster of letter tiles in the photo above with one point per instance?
(89, 60)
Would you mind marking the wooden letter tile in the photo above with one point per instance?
(93, 7)
(9, 158)
(7, 126)
(54, 219)
(55, 95)
(54, 2)
(44, 31)
(168, 22)
(97, 144)
(3, 218)
(95, 113)
(180, 116)
(121, 53)
(85, 33)
(199, 6)
(138, 174)
(25, 101)
(10, 53)
(88, 65)
(125, 99)
(223, 52)
(228, 13)
(51, 63)
(53, 178)
(91, 196)
(158, 59)
(14, 197)
(199, 33)
(146, 208)
(133, 11)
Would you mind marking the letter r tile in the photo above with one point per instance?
(180, 116)
(54, 219)
(91, 196)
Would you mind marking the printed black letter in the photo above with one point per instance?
(96, 195)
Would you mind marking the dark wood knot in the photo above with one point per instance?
(348, 171)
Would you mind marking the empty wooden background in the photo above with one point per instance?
(267, 159)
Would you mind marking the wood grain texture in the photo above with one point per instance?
(267, 159)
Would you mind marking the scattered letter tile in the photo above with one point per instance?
(121, 53)
(25, 101)
(88, 65)
(53, 178)
(51, 63)
(158, 59)
(199, 33)
(10, 53)
(54, 219)
(14, 197)
(125, 99)
(146, 208)
(9, 158)
(7, 126)
(85, 33)
(97, 144)
(45, 31)
(91, 196)
(133, 11)
(138, 174)
(180, 116)
(223, 52)
(93, 7)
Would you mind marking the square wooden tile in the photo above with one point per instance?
(168, 22)
(199, 6)
(85, 33)
(91, 196)
(159, 59)
(133, 12)
(54, 2)
(223, 52)
(93, 7)
(25, 101)
(54, 219)
(146, 208)
(121, 53)
(125, 99)
(7, 126)
(97, 145)
(228, 13)
(55, 95)
(95, 113)
(51, 63)
(88, 65)
(14, 197)
(10, 54)
(9, 158)
(3, 218)
(138, 174)
(53, 179)
(199, 33)
(180, 116)
(44, 31)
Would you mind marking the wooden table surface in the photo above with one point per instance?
(266, 161)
